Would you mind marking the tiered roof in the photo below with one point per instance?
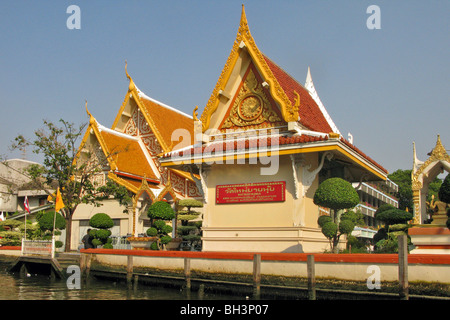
(307, 122)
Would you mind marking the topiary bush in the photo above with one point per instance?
(393, 216)
(101, 235)
(158, 212)
(336, 194)
(190, 231)
(395, 224)
(161, 210)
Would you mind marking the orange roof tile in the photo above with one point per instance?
(128, 154)
(309, 112)
(167, 120)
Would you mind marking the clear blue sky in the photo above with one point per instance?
(388, 87)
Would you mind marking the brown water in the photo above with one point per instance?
(41, 287)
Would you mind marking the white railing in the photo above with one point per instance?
(38, 247)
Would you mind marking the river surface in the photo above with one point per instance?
(40, 287)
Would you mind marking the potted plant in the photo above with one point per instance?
(141, 243)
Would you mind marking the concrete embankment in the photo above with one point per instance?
(278, 276)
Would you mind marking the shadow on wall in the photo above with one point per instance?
(298, 248)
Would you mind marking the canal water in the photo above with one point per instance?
(41, 287)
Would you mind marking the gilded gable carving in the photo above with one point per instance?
(252, 107)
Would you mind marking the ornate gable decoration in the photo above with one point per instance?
(252, 106)
(437, 154)
(245, 41)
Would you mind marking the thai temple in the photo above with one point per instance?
(254, 156)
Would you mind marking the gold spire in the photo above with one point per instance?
(243, 24)
(439, 150)
(131, 87)
(195, 114)
(91, 117)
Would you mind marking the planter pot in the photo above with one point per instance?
(174, 244)
(141, 243)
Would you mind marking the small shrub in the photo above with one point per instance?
(323, 219)
(329, 229)
(154, 246)
(346, 226)
(97, 242)
(166, 229)
(159, 224)
(165, 239)
(108, 246)
(152, 232)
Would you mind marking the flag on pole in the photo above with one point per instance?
(59, 204)
(26, 204)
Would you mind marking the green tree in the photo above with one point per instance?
(403, 179)
(444, 195)
(336, 194)
(58, 145)
(404, 194)
(46, 221)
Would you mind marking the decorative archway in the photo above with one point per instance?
(167, 191)
(425, 172)
(144, 192)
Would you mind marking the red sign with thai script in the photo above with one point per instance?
(251, 192)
